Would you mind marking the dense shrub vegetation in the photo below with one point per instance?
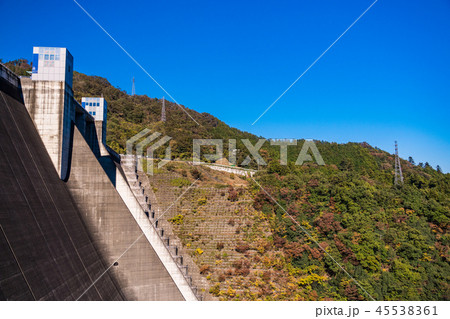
(393, 240)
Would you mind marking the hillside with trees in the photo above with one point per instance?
(393, 239)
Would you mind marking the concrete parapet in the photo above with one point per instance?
(9, 75)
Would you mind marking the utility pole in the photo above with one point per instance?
(163, 111)
(398, 167)
(133, 89)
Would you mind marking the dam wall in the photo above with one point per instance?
(46, 250)
(87, 172)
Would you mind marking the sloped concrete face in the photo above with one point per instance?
(46, 252)
(140, 273)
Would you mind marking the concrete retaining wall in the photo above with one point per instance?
(231, 170)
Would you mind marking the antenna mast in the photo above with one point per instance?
(163, 111)
(398, 167)
(133, 89)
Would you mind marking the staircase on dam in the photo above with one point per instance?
(139, 185)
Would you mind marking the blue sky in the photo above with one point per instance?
(386, 79)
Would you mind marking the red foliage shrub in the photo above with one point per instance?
(351, 292)
(313, 182)
(278, 241)
(316, 253)
(347, 253)
(204, 269)
(294, 249)
(261, 199)
(286, 193)
(243, 271)
(238, 264)
(242, 248)
(229, 272)
(242, 267)
(326, 223)
(232, 194)
(256, 258)
(266, 275)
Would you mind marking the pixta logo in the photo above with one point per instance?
(145, 149)
(253, 149)
(144, 144)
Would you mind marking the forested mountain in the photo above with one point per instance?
(393, 240)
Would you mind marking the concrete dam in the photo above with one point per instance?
(74, 222)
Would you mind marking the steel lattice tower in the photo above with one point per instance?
(398, 167)
(163, 111)
(133, 89)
